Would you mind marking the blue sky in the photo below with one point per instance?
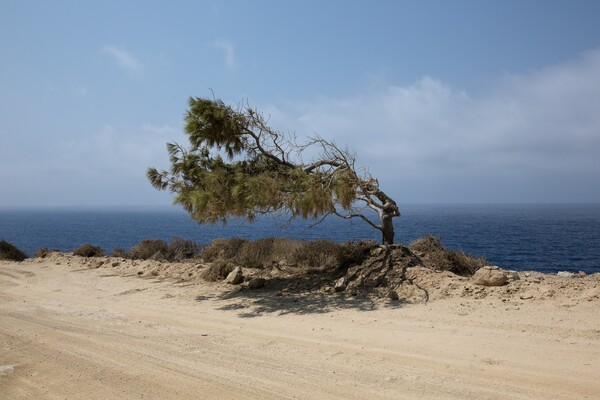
(443, 101)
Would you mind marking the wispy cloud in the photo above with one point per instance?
(160, 130)
(124, 59)
(533, 137)
(228, 51)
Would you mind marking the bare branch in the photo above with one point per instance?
(361, 216)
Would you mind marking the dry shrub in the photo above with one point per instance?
(152, 249)
(353, 253)
(321, 254)
(436, 256)
(218, 271)
(181, 249)
(87, 250)
(44, 252)
(317, 254)
(465, 264)
(265, 252)
(149, 249)
(119, 252)
(223, 249)
(10, 252)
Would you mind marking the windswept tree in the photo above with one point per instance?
(238, 166)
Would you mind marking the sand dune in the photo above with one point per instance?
(69, 331)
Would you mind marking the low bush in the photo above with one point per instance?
(44, 252)
(465, 264)
(218, 270)
(223, 249)
(322, 254)
(316, 254)
(265, 252)
(87, 250)
(10, 252)
(119, 252)
(353, 253)
(182, 249)
(149, 249)
(436, 256)
(154, 249)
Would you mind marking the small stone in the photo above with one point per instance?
(140, 272)
(256, 283)
(581, 274)
(526, 296)
(235, 277)
(513, 276)
(116, 264)
(340, 284)
(490, 276)
(393, 295)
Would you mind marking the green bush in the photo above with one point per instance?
(10, 252)
(87, 250)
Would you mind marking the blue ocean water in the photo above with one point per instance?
(546, 238)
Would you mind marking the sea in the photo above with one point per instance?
(545, 238)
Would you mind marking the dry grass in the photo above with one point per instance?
(120, 252)
(149, 249)
(87, 250)
(266, 252)
(435, 256)
(182, 249)
(218, 271)
(153, 249)
(44, 252)
(317, 254)
(223, 249)
(353, 253)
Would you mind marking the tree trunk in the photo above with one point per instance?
(387, 229)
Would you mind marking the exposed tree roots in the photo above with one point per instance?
(383, 273)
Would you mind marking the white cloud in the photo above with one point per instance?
(162, 130)
(124, 59)
(118, 152)
(228, 51)
(540, 128)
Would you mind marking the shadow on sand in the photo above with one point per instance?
(295, 295)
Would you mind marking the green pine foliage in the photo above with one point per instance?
(237, 166)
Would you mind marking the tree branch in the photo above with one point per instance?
(349, 216)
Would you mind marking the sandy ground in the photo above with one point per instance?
(71, 332)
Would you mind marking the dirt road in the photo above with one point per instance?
(68, 332)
